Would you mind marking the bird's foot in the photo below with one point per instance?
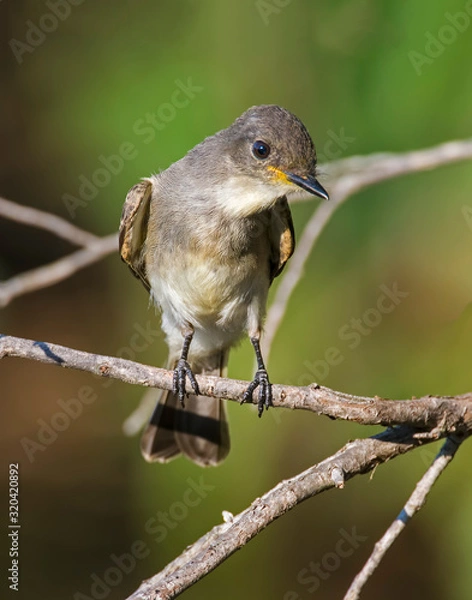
(181, 372)
(261, 381)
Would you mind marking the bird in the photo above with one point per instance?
(207, 237)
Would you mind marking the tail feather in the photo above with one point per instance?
(199, 431)
(158, 441)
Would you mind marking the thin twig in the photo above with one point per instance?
(199, 559)
(294, 273)
(373, 168)
(141, 414)
(56, 271)
(442, 415)
(415, 502)
(27, 215)
(348, 176)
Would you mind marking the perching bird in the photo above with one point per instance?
(207, 237)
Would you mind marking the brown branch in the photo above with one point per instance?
(415, 502)
(358, 457)
(435, 416)
(440, 415)
(57, 271)
(346, 177)
(27, 215)
(94, 248)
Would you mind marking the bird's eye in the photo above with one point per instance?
(260, 149)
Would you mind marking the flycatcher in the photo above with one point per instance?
(207, 237)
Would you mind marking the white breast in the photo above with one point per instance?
(214, 301)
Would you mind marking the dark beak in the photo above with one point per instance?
(308, 183)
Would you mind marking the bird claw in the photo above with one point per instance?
(181, 372)
(261, 381)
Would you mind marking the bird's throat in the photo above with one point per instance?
(241, 197)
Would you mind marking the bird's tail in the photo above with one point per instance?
(199, 431)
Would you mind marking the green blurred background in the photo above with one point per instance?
(345, 68)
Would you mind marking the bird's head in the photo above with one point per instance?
(271, 152)
(265, 154)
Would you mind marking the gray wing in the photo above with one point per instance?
(282, 236)
(133, 229)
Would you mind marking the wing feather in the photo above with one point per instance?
(133, 229)
(282, 236)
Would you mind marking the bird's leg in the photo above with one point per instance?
(261, 381)
(183, 370)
